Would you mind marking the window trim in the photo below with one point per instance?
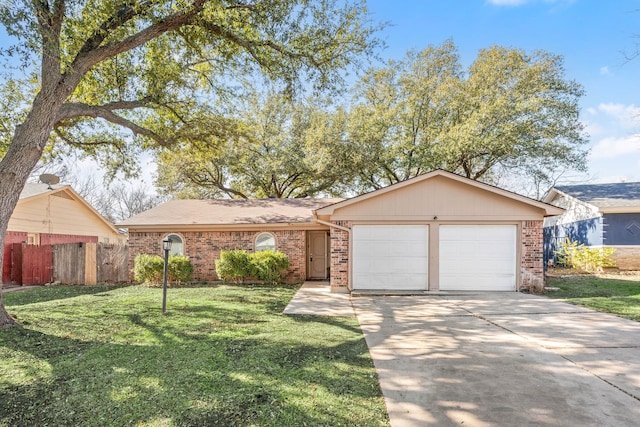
(181, 237)
(262, 233)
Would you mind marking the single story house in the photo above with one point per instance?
(438, 231)
(599, 215)
(49, 215)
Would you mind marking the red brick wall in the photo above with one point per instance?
(203, 248)
(531, 268)
(340, 255)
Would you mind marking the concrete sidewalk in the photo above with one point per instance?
(315, 298)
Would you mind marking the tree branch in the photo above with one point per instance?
(92, 52)
(77, 109)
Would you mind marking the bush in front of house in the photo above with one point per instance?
(269, 266)
(234, 266)
(266, 266)
(585, 258)
(180, 269)
(149, 269)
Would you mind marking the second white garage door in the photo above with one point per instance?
(478, 257)
(391, 257)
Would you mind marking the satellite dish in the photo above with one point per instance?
(49, 179)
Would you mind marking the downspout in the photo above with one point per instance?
(339, 227)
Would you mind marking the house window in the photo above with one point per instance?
(265, 242)
(33, 239)
(177, 245)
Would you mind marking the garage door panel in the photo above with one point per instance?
(377, 281)
(477, 257)
(392, 257)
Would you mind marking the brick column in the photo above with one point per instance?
(340, 257)
(531, 262)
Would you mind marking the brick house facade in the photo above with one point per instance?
(406, 235)
(203, 249)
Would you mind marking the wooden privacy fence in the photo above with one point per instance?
(69, 263)
(31, 264)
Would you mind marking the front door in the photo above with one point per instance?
(317, 254)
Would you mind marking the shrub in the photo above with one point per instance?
(180, 269)
(585, 258)
(234, 265)
(237, 265)
(269, 266)
(149, 269)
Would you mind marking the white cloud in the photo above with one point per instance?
(626, 116)
(614, 147)
(604, 71)
(593, 128)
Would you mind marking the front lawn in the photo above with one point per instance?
(617, 294)
(223, 355)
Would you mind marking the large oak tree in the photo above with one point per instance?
(510, 113)
(116, 76)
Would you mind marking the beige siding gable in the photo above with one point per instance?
(60, 213)
(441, 197)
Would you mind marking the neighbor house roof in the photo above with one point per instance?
(547, 208)
(32, 191)
(606, 197)
(228, 212)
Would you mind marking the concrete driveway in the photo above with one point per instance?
(501, 359)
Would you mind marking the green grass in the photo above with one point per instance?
(619, 296)
(224, 355)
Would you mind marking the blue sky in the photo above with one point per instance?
(592, 36)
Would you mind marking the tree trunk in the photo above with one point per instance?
(24, 152)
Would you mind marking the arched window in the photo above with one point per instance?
(177, 245)
(265, 242)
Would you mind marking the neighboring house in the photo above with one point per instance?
(47, 215)
(600, 215)
(438, 231)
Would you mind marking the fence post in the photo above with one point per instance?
(90, 265)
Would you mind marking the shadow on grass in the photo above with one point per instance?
(52, 293)
(215, 374)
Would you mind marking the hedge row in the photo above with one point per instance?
(238, 265)
(149, 269)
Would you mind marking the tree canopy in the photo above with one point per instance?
(510, 112)
(117, 76)
(272, 147)
(510, 115)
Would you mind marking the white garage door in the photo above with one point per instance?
(390, 257)
(478, 257)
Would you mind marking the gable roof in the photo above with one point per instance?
(228, 212)
(548, 209)
(35, 191)
(607, 197)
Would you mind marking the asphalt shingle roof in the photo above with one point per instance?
(229, 212)
(620, 194)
